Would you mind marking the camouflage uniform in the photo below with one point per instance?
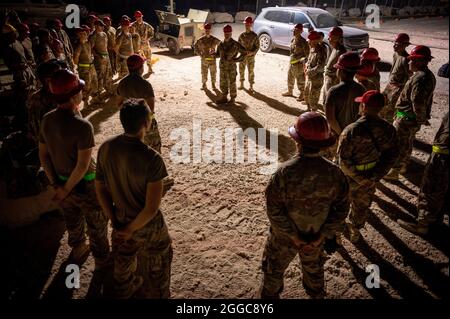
(250, 42)
(398, 76)
(99, 41)
(375, 78)
(111, 32)
(203, 47)
(136, 43)
(86, 70)
(299, 50)
(367, 150)
(413, 109)
(39, 103)
(434, 188)
(308, 197)
(124, 43)
(330, 78)
(228, 52)
(367, 84)
(68, 49)
(314, 69)
(146, 33)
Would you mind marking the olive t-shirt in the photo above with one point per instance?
(134, 86)
(65, 132)
(126, 165)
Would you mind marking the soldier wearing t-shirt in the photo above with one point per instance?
(129, 184)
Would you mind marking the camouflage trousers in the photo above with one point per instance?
(433, 190)
(328, 82)
(81, 208)
(153, 138)
(361, 197)
(89, 76)
(295, 73)
(391, 93)
(249, 62)
(406, 132)
(212, 67)
(312, 92)
(147, 50)
(122, 67)
(278, 254)
(147, 254)
(104, 73)
(113, 61)
(228, 74)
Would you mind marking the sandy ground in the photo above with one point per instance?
(216, 212)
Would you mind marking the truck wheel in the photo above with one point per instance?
(265, 42)
(173, 47)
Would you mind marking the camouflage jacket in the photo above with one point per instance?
(416, 98)
(375, 79)
(111, 32)
(399, 73)
(145, 31)
(316, 62)
(205, 45)
(299, 48)
(249, 41)
(38, 104)
(441, 138)
(330, 70)
(306, 196)
(230, 52)
(369, 139)
(124, 44)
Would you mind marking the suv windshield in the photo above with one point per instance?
(323, 20)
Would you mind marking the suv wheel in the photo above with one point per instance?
(265, 42)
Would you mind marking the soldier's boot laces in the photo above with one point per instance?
(287, 93)
(241, 87)
(392, 175)
(414, 228)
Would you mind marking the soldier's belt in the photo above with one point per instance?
(123, 56)
(104, 54)
(88, 177)
(84, 65)
(295, 61)
(366, 167)
(408, 116)
(438, 150)
(209, 59)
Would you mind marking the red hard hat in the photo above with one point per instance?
(312, 129)
(23, 27)
(106, 19)
(368, 68)
(227, 29)
(402, 38)
(313, 35)
(138, 14)
(207, 26)
(135, 62)
(370, 54)
(93, 17)
(64, 84)
(58, 23)
(336, 31)
(420, 52)
(248, 20)
(299, 26)
(86, 28)
(372, 98)
(349, 61)
(125, 23)
(79, 30)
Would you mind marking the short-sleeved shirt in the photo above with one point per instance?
(134, 86)
(65, 133)
(126, 165)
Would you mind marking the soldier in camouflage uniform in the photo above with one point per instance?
(42, 101)
(362, 76)
(67, 45)
(313, 70)
(65, 148)
(434, 189)
(299, 54)
(99, 42)
(146, 33)
(398, 76)
(330, 78)
(137, 48)
(124, 47)
(84, 60)
(413, 107)
(205, 47)
(370, 55)
(230, 53)
(111, 32)
(130, 194)
(250, 42)
(307, 202)
(368, 148)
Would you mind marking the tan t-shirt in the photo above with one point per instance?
(126, 165)
(134, 86)
(64, 133)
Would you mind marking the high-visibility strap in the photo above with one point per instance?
(438, 150)
(88, 177)
(366, 167)
(84, 65)
(209, 59)
(408, 116)
(124, 56)
(295, 61)
(104, 53)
